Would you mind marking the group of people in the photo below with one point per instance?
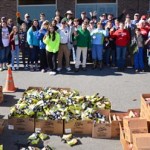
(48, 46)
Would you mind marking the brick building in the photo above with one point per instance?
(8, 8)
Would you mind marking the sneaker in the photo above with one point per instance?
(43, 70)
(13, 68)
(36, 67)
(27, 66)
(1, 69)
(5, 67)
(76, 69)
(136, 71)
(58, 69)
(52, 73)
(17, 68)
(31, 68)
(68, 69)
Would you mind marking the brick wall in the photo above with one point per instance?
(64, 5)
(8, 8)
(133, 6)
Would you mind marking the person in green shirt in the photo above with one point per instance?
(52, 41)
(83, 39)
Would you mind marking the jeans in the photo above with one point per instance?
(4, 53)
(34, 54)
(97, 52)
(15, 53)
(121, 56)
(138, 59)
(109, 52)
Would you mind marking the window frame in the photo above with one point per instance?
(35, 4)
(96, 1)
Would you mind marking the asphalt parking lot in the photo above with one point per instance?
(122, 88)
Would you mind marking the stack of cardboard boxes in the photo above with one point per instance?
(131, 126)
(1, 94)
(134, 134)
(145, 108)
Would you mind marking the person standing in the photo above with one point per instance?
(5, 31)
(83, 38)
(135, 19)
(137, 44)
(14, 44)
(41, 33)
(42, 19)
(97, 37)
(122, 37)
(26, 19)
(52, 41)
(33, 44)
(1, 52)
(63, 50)
(24, 45)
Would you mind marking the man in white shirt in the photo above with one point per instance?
(63, 50)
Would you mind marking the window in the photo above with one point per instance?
(36, 2)
(96, 1)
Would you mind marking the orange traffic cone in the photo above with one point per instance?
(9, 85)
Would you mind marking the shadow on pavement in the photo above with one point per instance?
(9, 100)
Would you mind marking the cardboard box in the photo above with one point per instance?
(135, 148)
(34, 87)
(141, 141)
(125, 145)
(134, 112)
(145, 106)
(60, 88)
(115, 119)
(1, 89)
(148, 126)
(134, 125)
(130, 132)
(145, 114)
(49, 126)
(102, 130)
(82, 127)
(21, 124)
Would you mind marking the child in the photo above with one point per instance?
(52, 41)
(137, 47)
(14, 44)
(24, 45)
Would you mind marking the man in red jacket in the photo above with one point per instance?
(122, 39)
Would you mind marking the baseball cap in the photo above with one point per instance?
(27, 15)
(136, 14)
(83, 12)
(69, 12)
